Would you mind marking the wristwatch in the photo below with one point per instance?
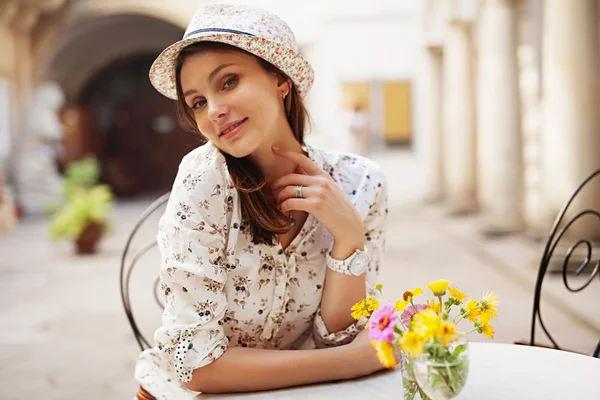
(354, 265)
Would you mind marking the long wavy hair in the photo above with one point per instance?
(259, 211)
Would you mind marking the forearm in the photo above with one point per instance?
(342, 291)
(242, 369)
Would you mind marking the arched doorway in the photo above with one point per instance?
(102, 61)
(138, 139)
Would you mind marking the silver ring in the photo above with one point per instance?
(299, 192)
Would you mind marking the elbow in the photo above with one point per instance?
(191, 385)
(198, 385)
(202, 387)
(199, 382)
(204, 380)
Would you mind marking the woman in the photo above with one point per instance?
(266, 242)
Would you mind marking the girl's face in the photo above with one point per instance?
(236, 103)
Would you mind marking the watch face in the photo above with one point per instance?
(359, 263)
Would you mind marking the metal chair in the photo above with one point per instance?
(556, 234)
(127, 269)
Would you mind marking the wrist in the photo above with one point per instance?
(344, 247)
(364, 358)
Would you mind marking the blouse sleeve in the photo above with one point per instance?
(375, 223)
(191, 239)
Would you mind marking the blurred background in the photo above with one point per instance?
(483, 114)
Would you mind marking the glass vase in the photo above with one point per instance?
(442, 378)
(411, 388)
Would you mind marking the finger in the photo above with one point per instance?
(301, 170)
(297, 204)
(289, 192)
(292, 180)
(299, 159)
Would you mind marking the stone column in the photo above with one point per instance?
(459, 119)
(570, 138)
(433, 122)
(500, 159)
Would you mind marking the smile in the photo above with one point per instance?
(232, 130)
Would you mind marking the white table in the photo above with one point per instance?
(497, 372)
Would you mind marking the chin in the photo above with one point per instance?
(238, 149)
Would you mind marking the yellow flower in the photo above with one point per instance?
(487, 330)
(489, 307)
(435, 306)
(365, 308)
(457, 294)
(425, 323)
(378, 287)
(439, 287)
(412, 344)
(407, 298)
(385, 353)
(447, 333)
(472, 310)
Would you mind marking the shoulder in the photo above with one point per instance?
(201, 171)
(203, 185)
(205, 161)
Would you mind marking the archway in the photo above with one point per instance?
(102, 63)
(134, 129)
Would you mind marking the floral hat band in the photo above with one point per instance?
(254, 30)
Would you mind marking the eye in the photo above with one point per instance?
(230, 82)
(198, 104)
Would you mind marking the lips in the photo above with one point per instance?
(231, 126)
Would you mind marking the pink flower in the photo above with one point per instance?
(382, 324)
(409, 311)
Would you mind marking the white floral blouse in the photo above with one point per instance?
(222, 290)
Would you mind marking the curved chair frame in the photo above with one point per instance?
(127, 269)
(556, 234)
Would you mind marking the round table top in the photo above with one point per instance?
(496, 372)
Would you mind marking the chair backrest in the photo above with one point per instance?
(556, 234)
(129, 263)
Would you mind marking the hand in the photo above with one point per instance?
(321, 197)
(362, 342)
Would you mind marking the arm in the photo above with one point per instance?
(335, 300)
(192, 275)
(329, 204)
(342, 291)
(244, 369)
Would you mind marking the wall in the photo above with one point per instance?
(7, 72)
(376, 48)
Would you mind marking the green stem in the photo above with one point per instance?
(450, 380)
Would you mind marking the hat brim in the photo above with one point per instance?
(290, 62)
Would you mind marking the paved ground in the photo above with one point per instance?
(63, 333)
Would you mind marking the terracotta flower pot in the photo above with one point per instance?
(88, 240)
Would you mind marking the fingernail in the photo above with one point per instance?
(276, 148)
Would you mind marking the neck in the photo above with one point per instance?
(271, 165)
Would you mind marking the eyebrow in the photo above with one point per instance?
(210, 78)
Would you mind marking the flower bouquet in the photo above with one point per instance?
(435, 362)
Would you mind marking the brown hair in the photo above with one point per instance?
(259, 211)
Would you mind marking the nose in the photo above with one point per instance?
(217, 111)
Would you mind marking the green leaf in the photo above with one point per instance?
(459, 349)
(85, 201)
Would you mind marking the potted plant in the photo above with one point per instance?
(83, 217)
